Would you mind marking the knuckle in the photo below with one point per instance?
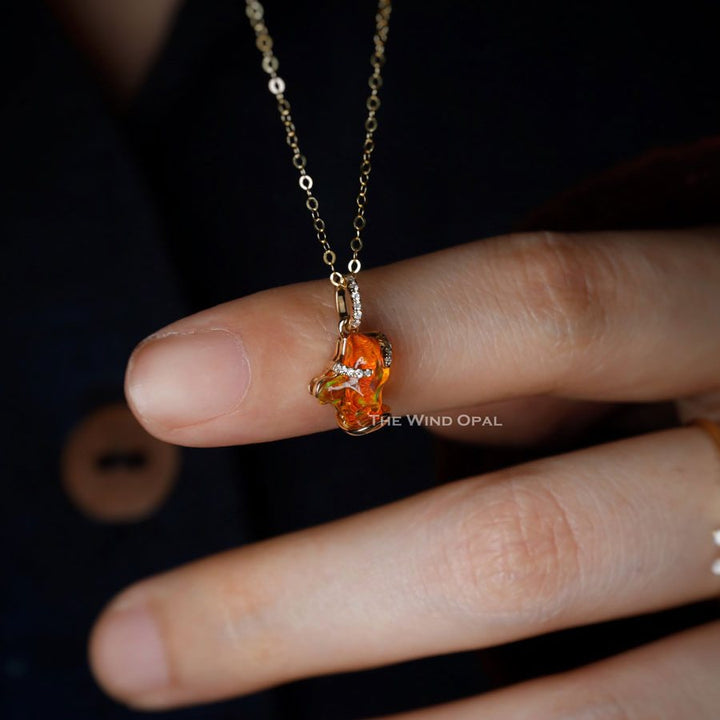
(511, 548)
(566, 285)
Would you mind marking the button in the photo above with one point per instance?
(114, 471)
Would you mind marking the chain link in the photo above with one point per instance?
(276, 85)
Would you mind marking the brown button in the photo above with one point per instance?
(114, 471)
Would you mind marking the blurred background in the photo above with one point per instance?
(145, 176)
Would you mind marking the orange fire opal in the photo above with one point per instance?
(354, 383)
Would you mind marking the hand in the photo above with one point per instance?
(610, 531)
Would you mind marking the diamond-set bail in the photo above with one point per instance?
(350, 317)
(356, 315)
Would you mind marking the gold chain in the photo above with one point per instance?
(276, 85)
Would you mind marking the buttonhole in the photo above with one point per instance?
(121, 460)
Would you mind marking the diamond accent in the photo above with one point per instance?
(340, 369)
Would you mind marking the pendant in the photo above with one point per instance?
(353, 384)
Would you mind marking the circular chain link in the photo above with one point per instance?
(276, 85)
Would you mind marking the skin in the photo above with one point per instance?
(545, 331)
(605, 532)
(121, 39)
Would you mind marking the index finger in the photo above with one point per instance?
(604, 316)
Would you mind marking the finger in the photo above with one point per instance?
(600, 533)
(608, 316)
(122, 40)
(705, 405)
(672, 679)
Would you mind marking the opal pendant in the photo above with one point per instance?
(354, 383)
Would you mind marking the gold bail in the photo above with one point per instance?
(341, 303)
(342, 309)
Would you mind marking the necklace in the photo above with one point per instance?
(353, 384)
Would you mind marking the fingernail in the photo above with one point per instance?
(128, 653)
(183, 379)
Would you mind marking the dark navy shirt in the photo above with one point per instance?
(114, 224)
